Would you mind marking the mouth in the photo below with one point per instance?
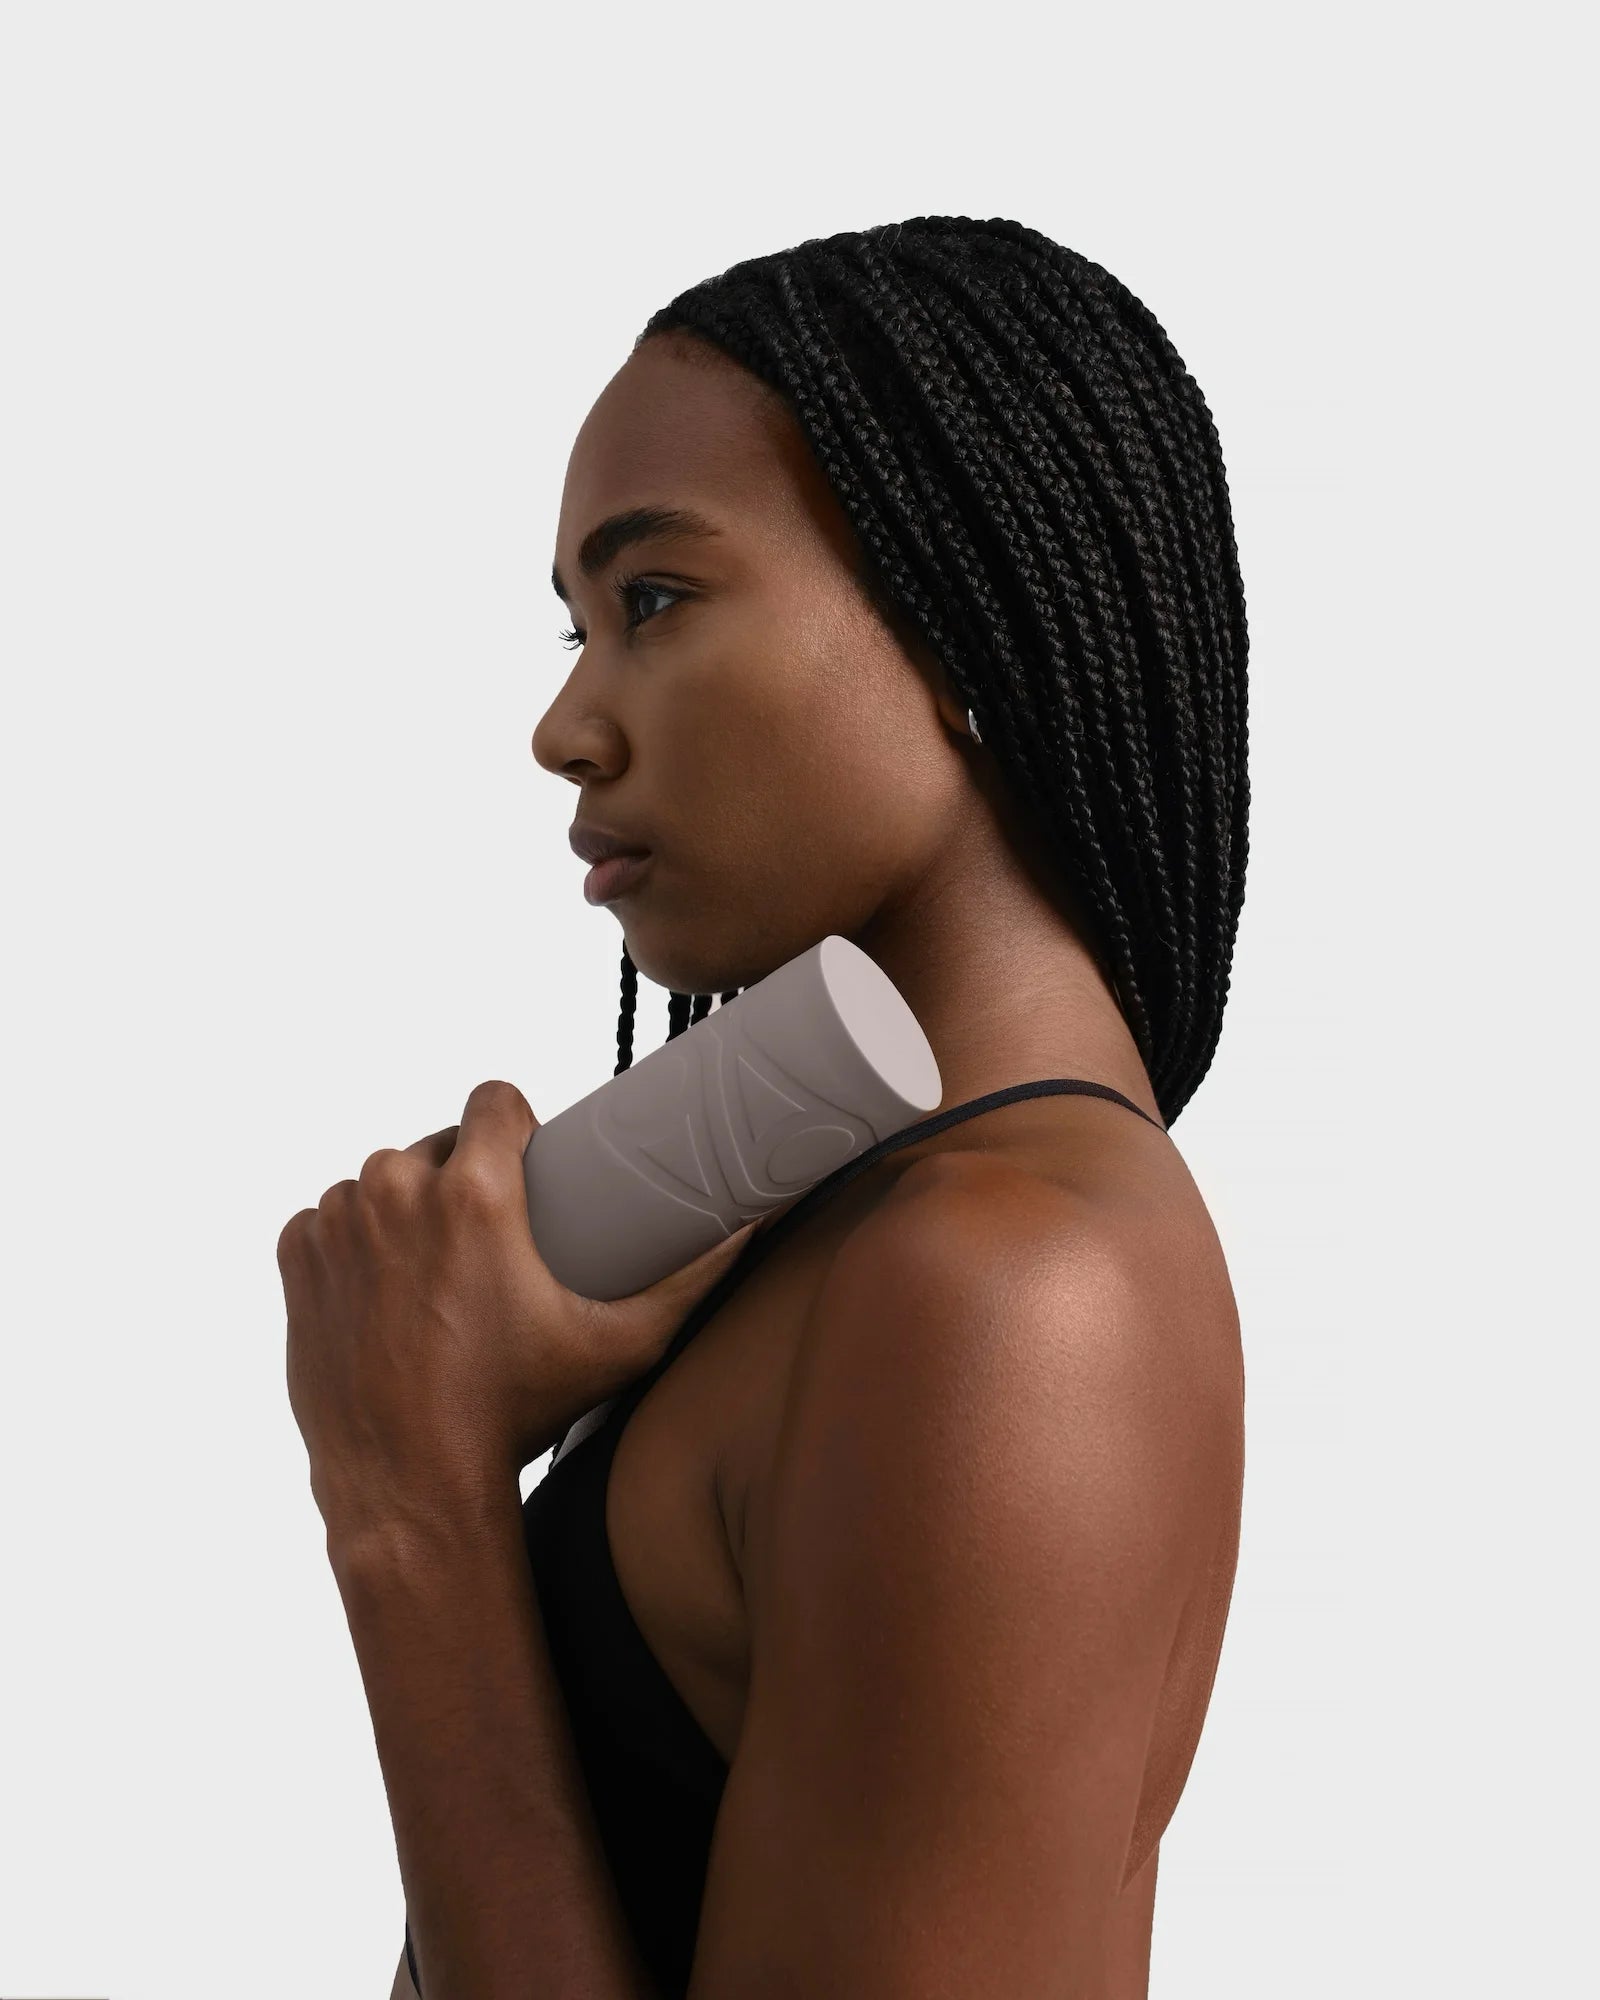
(607, 880)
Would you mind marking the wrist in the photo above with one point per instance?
(407, 1542)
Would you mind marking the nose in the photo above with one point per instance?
(578, 747)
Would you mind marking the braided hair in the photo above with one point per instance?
(1038, 496)
(683, 1010)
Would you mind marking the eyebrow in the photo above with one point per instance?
(602, 545)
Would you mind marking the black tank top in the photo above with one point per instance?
(654, 1777)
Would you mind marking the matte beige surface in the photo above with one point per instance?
(738, 1116)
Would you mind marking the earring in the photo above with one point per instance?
(972, 725)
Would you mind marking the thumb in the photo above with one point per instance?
(631, 1333)
(643, 1322)
(702, 1272)
(678, 1290)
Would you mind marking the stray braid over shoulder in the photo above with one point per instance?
(1038, 492)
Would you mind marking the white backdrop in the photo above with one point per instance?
(302, 308)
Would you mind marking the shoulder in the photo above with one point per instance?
(985, 1334)
(988, 1268)
(994, 1488)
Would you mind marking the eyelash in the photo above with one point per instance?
(625, 586)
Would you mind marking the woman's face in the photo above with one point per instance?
(737, 706)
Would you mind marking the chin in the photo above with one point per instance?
(708, 971)
(670, 970)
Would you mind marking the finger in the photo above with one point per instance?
(294, 1241)
(334, 1200)
(495, 1128)
(437, 1147)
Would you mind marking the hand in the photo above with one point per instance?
(431, 1353)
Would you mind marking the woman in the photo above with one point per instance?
(886, 1606)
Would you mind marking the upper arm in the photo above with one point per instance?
(962, 1589)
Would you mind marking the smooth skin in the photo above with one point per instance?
(934, 1527)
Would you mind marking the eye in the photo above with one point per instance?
(628, 589)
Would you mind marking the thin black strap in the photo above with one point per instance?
(938, 1121)
(908, 1135)
(760, 1246)
(955, 1115)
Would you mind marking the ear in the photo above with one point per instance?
(952, 709)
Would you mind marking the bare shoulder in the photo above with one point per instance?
(1120, 1264)
(1001, 1479)
(986, 1332)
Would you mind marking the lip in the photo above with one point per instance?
(598, 843)
(614, 877)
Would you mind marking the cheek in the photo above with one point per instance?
(834, 813)
(805, 761)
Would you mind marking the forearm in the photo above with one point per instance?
(508, 1891)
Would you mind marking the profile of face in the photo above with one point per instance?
(738, 706)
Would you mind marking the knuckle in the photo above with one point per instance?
(495, 1091)
(387, 1172)
(470, 1187)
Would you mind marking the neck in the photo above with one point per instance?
(990, 953)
